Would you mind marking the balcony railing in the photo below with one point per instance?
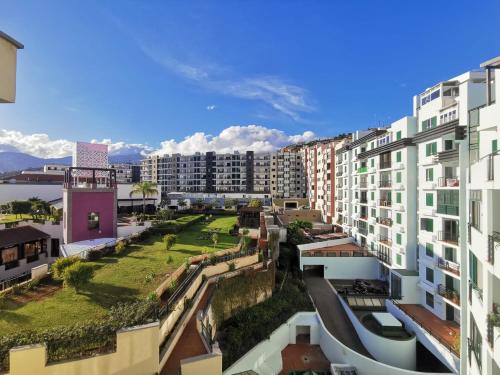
(363, 169)
(385, 165)
(338, 174)
(474, 287)
(492, 239)
(363, 231)
(450, 237)
(363, 184)
(448, 182)
(384, 257)
(449, 266)
(384, 203)
(385, 183)
(363, 200)
(340, 209)
(449, 293)
(387, 221)
(386, 240)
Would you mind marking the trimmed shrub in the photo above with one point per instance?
(78, 275)
(213, 260)
(17, 289)
(61, 264)
(231, 266)
(120, 248)
(94, 254)
(32, 284)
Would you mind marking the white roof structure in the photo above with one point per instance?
(386, 319)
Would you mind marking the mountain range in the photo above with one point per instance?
(18, 161)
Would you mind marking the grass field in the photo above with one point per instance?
(9, 218)
(116, 279)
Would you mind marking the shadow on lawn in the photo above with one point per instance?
(107, 295)
(10, 316)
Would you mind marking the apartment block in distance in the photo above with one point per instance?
(287, 173)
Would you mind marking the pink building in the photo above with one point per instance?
(89, 195)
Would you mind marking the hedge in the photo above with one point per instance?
(174, 226)
(83, 339)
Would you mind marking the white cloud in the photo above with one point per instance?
(288, 99)
(234, 138)
(211, 107)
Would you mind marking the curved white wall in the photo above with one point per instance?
(398, 353)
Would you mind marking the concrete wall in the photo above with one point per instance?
(203, 364)
(344, 267)
(398, 353)
(136, 354)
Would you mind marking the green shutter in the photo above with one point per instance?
(398, 157)
(494, 145)
(398, 218)
(429, 199)
(428, 149)
(398, 259)
(429, 249)
(434, 148)
(398, 197)
(433, 122)
(472, 267)
(372, 162)
(430, 225)
(398, 177)
(372, 195)
(398, 238)
(429, 174)
(398, 135)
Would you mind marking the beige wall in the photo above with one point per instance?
(8, 56)
(203, 364)
(136, 354)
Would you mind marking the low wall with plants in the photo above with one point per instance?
(83, 339)
(135, 353)
(174, 226)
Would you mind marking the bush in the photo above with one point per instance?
(169, 240)
(78, 275)
(94, 254)
(213, 260)
(149, 277)
(153, 297)
(32, 284)
(170, 259)
(3, 301)
(17, 289)
(61, 264)
(120, 247)
(231, 266)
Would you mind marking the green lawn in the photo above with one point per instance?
(117, 279)
(9, 218)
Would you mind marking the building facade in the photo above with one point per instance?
(287, 173)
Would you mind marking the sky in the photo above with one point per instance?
(186, 76)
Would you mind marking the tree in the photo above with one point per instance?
(78, 275)
(245, 241)
(20, 207)
(255, 203)
(169, 240)
(181, 203)
(165, 214)
(59, 266)
(146, 189)
(230, 203)
(215, 239)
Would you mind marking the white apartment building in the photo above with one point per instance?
(262, 173)
(481, 322)
(287, 174)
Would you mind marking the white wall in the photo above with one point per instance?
(398, 353)
(344, 267)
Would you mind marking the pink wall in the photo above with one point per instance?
(85, 202)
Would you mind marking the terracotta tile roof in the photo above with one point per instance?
(22, 234)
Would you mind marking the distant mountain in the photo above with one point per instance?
(17, 161)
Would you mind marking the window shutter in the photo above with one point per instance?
(398, 157)
(433, 122)
(429, 199)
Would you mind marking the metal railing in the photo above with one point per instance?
(387, 221)
(384, 203)
(385, 165)
(449, 293)
(474, 287)
(385, 183)
(448, 265)
(493, 238)
(427, 328)
(447, 236)
(448, 182)
(447, 209)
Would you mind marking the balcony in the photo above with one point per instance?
(363, 169)
(363, 231)
(340, 209)
(449, 266)
(387, 221)
(448, 182)
(384, 257)
(363, 184)
(385, 240)
(447, 156)
(449, 293)
(338, 174)
(385, 184)
(384, 203)
(474, 288)
(363, 200)
(385, 165)
(448, 237)
(492, 239)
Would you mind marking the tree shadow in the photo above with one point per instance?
(12, 317)
(107, 295)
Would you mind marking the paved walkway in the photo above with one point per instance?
(332, 313)
(300, 357)
(189, 344)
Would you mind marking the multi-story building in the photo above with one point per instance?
(262, 173)
(126, 173)
(480, 248)
(149, 169)
(287, 173)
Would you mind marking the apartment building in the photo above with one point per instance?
(262, 173)
(481, 321)
(126, 173)
(287, 173)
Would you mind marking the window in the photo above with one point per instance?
(491, 86)
(475, 209)
(429, 174)
(372, 195)
(372, 179)
(398, 259)
(429, 274)
(429, 123)
(398, 238)
(398, 135)
(429, 199)
(448, 144)
(476, 341)
(472, 268)
(93, 221)
(429, 299)
(398, 177)
(398, 218)
(494, 145)
(398, 197)
(398, 157)
(427, 225)
(395, 286)
(429, 249)
(448, 202)
(372, 229)
(374, 212)
(431, 149)
(9, 255)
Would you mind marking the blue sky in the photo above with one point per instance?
(145, 72)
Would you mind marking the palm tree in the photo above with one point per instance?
(146, 189)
